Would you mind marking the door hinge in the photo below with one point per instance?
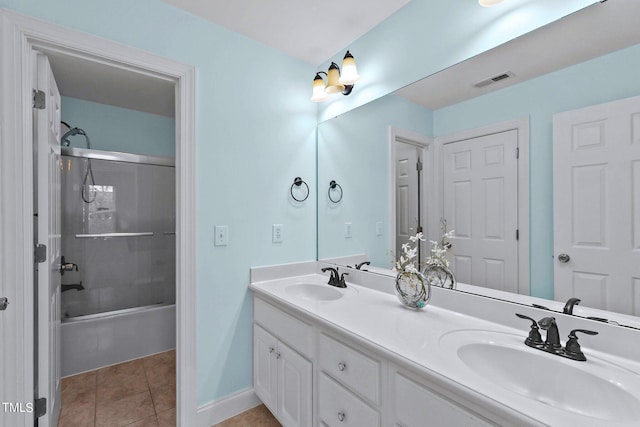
(40, 407)
(517, 152)
(39, 99)
(419, 166)
(517, 234)
(40, 253)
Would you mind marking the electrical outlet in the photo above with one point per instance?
(221, 235)
(348, 230)
(276, 233)
(379, 228)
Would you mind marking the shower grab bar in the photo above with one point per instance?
(98, 235)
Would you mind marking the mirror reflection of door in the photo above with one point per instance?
(407, 181)
(596, 217)
(480, 203)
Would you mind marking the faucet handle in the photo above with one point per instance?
(534, 337)
(572, 348)
(342, 283)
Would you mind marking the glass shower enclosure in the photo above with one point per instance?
(121, 235)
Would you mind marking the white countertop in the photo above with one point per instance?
(420, 338)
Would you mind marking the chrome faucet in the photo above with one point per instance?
(552, 342)
(335, 279)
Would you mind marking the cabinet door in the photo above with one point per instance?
(294, 388)
(414, 405)
(265, 367)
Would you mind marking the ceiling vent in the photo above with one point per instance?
(494, 79)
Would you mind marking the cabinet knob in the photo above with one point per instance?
(271, 350)
(341, 416)
(277, 355)
(342, 366)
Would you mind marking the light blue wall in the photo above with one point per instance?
(252, 140)
(119, 129)
(610, 77)
(427, 36)
(353, 151)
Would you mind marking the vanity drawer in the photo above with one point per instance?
(296, 333)
(338, 407)
(350, 367)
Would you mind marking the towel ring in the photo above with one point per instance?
(298, 182)
(332, 186)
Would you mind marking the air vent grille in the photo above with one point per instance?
(494, 79)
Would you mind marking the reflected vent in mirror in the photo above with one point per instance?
(494, 79)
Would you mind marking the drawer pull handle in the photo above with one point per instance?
(342, 366)
(341, 416)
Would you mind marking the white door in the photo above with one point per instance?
(596, 199)
(47, 137)
(480, 203)
(407, 196)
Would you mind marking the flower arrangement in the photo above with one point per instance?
(439, 249)
(411, 288)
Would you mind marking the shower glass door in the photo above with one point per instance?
(122, 240)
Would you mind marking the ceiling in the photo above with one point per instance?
(305, 29)
(310, 30)
(583, 35)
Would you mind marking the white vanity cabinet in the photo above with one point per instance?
(349, 385)
(310, 373)
(413, 403)
(282, 377)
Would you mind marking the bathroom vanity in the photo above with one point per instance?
(325, 356)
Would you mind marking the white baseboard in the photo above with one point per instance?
(220, 410)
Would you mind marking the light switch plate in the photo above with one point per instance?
(348, 232)
(379, 228)
(221, 235)
(276, 233)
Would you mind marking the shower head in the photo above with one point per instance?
(64, 141)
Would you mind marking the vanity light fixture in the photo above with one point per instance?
(489, 3)
(336, 81)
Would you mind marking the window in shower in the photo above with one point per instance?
(123, 241)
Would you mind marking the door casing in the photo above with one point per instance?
(19, 36)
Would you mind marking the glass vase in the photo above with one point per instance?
(438, 274)
(413, 290)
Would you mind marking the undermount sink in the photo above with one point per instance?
(594, 389)
(314, 292)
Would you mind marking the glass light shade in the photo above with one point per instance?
(489, 3)
(349, 71)
(333, 83)
(319, 94)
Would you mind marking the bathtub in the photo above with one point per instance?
(99, 340)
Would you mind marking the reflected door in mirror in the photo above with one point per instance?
(597, 205)
(480, 201)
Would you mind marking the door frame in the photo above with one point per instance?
(426, 143)
(19, 36)
(522, 127)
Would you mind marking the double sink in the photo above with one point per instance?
(599, 389)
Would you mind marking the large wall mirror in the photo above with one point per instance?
(552, 92)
